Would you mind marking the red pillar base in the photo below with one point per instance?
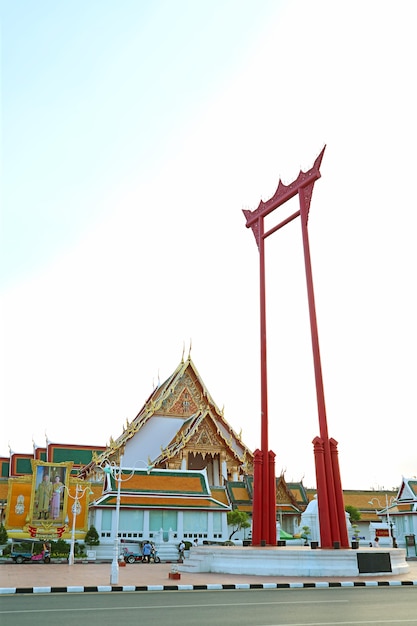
(332, 515)
(264, 500)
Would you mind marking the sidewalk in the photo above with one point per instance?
(54, 578)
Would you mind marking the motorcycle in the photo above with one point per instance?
(154, 558)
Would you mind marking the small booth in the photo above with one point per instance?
(410, 545)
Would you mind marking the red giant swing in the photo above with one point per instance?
(333, 531)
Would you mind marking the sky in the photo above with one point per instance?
(133, 133)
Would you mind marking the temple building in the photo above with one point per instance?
(173, 473)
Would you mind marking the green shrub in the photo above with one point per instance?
(3, 535)
(60, 548)
(79, 549)
(7, 549)
(91, 537)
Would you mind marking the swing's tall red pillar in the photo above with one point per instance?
(264, 500)
(329, 489)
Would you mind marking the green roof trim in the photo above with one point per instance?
(5, 469)
(76, 455)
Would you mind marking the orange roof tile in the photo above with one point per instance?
(220, 495)
(163, 502)
(162, 481)
(4, 485)
(240, 493)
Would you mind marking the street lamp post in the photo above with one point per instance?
(116, 472)
(75, 509)
(387, 507)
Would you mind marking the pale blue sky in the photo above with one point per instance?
(133, 134)
(100, 91)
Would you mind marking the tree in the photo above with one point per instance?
(3, 535)
(354, 513)
(355, 532)
(237, 519)
(91, 537)
(354, 516)
(305, 534)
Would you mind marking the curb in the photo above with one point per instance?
(212, 587)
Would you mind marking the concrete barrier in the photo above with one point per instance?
(285, 561)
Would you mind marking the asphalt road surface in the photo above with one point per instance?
(379, 606)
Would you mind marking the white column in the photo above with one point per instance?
(224, 469)
(96, 520)
(216, 472)
(180, 524)
(210, 531)
(224, 527)
(145, 524)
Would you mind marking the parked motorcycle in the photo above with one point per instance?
(154, 558)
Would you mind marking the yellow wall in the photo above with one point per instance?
(22, 516)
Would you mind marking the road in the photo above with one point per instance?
(379, 606)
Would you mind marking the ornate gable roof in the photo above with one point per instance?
(179, 414)
(412, 483)
(204, 437)
(285, 498)
(291, 498)
(408, 490)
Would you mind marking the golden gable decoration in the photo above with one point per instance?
(184, 398)
(281, 493)
(184, 405)
(205, 440)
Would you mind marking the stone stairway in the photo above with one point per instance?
(194, 563)
(167, 552)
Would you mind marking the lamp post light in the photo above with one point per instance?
(387, 507)
(75, 510)
(116, 472)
